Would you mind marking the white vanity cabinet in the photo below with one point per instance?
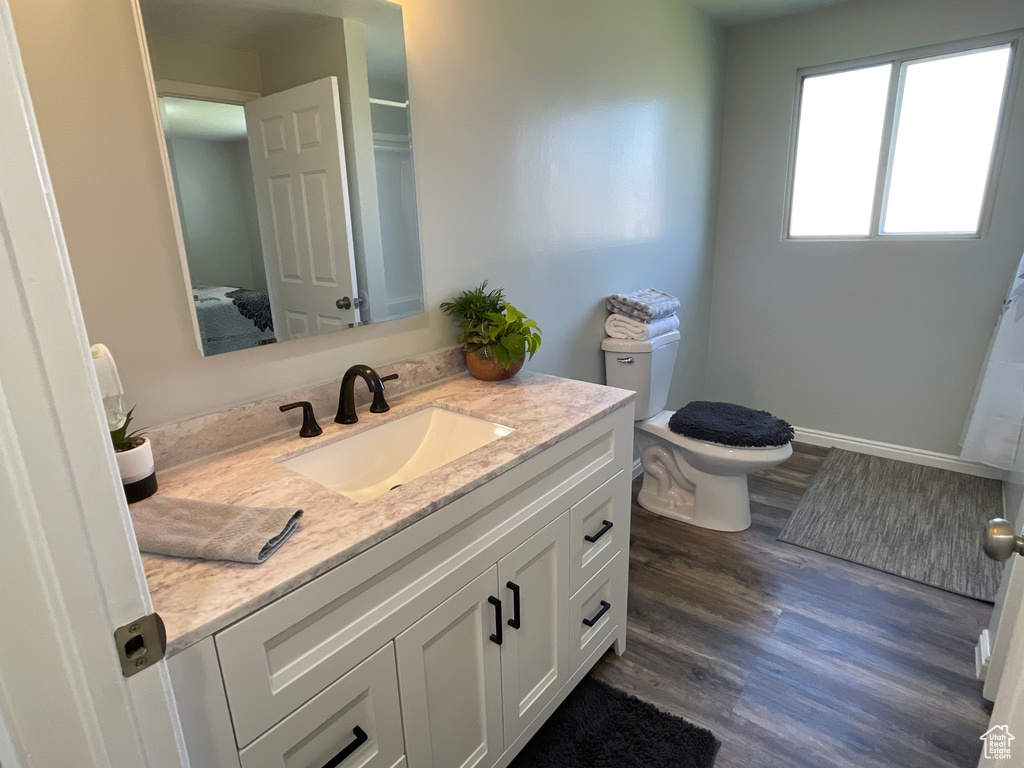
(485, 666)
(405, 638)
(533, 581)
(451, 681)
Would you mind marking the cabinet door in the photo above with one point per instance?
(535, 654)
(449, 672)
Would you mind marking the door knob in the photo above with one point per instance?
(346, 303)
(1000, 541)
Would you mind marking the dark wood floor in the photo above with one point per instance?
(795, 659)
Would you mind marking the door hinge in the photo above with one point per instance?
(140, 644)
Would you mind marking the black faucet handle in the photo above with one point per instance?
(379, 404)
(309, 426)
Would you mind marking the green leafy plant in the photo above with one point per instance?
(474, 305)
(513, 335)
(123, 439)
(492, 328)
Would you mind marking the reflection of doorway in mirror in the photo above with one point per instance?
(240, 52)
(209, 156)
(396, 196)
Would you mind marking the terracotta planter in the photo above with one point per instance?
(491, 370)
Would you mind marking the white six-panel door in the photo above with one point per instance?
(298, 164)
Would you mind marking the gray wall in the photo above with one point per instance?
(213, 181)
(563, 150)
(882, 341)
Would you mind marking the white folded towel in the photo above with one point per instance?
(645, 304)
(624, 327)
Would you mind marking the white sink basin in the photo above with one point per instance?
(371, 463)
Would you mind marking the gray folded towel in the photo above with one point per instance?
(205, 529)
(645, 304)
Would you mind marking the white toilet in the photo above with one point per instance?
(698, 482)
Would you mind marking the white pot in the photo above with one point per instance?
(137, 463)
(138, 473)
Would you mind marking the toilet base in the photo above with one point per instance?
(673, 488)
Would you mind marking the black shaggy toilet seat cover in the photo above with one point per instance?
(730, 424)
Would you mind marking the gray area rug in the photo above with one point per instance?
(917, 522)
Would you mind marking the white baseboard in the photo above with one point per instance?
(898, 452)
(982, 656)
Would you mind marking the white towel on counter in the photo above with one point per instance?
(624, 327)
(645, 304)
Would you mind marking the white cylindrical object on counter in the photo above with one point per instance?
(136, 463)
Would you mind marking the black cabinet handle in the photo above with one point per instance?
(497, 636)
(604, 609)
(356, 743)
(607, 527)
(514, 621)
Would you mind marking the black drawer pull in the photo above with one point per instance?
(607, 527)
(604, 609)
(496, 637)
(514, 621)
(356, 743)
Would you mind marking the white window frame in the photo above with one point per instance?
(899, 62)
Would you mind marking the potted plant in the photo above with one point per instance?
(496, 337)
(134, 454)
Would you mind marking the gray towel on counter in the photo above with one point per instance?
(205, 529)
(645, 304)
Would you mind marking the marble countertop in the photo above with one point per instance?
(196, 598)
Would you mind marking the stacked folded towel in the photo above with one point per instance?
(641, 314)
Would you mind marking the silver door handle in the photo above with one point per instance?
(1000, 541)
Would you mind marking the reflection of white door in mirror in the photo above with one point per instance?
(298, 165)
(208, 59)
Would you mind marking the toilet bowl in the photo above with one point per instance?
(701, 483)
(698, 482)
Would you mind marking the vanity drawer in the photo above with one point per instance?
(359, 715)
(282, 655)
(606, 588)
(599, 527)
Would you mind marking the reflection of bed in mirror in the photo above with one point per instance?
(330, 249)
(232, 318)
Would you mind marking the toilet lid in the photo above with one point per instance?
(730, 424)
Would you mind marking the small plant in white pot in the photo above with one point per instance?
(134, 455)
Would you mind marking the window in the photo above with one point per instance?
(902, 146)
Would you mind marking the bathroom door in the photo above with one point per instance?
(298, 165)
(1008, 709)
(71, 569)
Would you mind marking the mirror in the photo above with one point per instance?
(288, 139)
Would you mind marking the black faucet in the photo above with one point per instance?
(347, 396)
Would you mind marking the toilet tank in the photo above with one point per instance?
(645, 367)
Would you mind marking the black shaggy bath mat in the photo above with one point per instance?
(598, 726)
